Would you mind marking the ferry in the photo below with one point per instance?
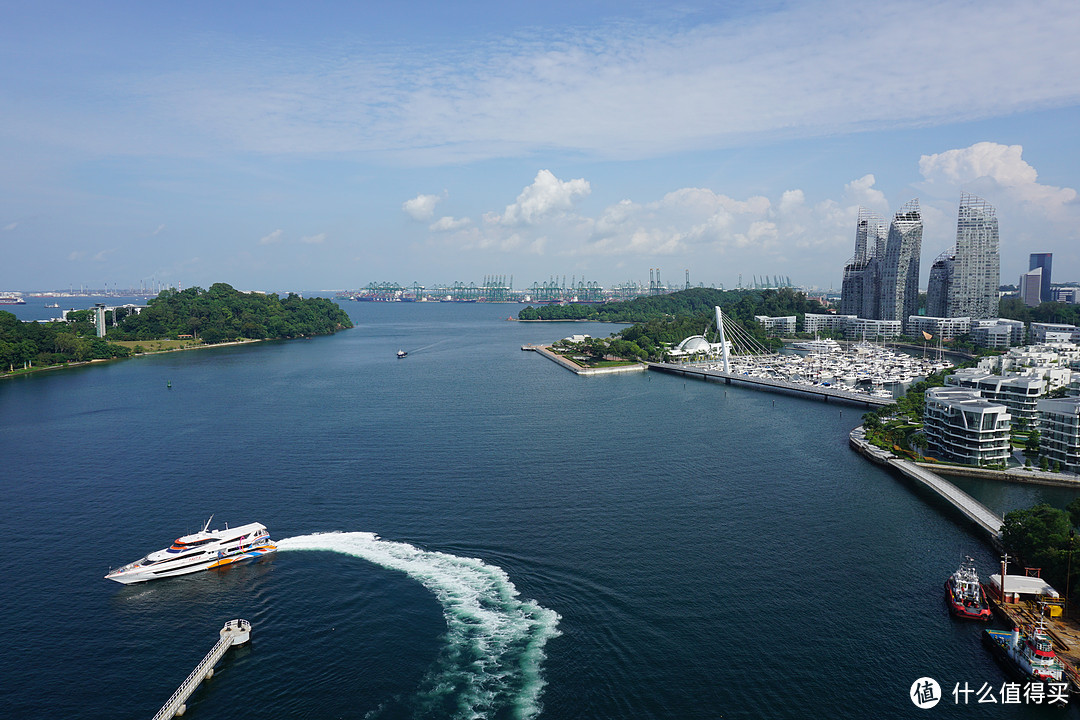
(204, 550)
(964, 593)
(11, 299)
(1027, 652)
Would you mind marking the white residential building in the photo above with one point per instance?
(861, 328)
(1052, 332)
(1059, 432)
(962, 426)
(940, 327)
(1018, 393)
(998, 333)
(816, 322)
(784, 325)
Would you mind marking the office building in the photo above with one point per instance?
(1043, 261)
(1031, 287)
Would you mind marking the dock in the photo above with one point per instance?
(573, 367)
(824, 392)
(235, 632)
(1064, 632)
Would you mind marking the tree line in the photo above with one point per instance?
(741, 304)
(211, 316)
(223, 313)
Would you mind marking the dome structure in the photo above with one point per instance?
(695, 344)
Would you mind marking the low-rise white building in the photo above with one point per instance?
(945, 328)
(962, 426)
(1052, 332)
(1059, 432)
(1018, 393)
(816, 322)
(997, 333)
(861, 328)
(783, 325)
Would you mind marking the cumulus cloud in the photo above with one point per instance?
(313, 239)
(447, 223)
(273, 238)
(421, 207)
(988, 167)
(11, 226)
(545, 196)
(863, 192)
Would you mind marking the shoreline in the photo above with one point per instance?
(31, 370)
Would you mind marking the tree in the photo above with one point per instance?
(1039, 535)
(919, 441)
(1031, 445)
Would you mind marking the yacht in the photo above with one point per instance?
(203, 550)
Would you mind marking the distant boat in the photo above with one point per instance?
(52, 305)
(401, 354)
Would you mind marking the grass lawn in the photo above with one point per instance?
(157, 345)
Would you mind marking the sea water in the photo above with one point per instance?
(471, 531)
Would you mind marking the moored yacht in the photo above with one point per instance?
(203, 550)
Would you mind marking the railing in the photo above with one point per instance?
(168, 710)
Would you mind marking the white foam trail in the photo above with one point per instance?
(495, 642)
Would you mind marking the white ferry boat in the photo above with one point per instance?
(203, 550)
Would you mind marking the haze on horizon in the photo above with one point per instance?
(273, 146)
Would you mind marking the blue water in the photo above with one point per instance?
(469, 532)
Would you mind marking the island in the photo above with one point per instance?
(175, 319)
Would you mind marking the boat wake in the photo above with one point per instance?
(495, 641)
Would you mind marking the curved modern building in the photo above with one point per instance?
(899, 298)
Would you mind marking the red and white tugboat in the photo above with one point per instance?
(964, 593)
(1027, 651)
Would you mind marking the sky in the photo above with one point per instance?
(328, 145)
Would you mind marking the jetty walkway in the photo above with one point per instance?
(235, 632)
(981, 516)
(825, 392)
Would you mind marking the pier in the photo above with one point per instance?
(235, 632)
(573, 367)
(825, 392)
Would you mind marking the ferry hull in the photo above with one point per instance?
(130, 578)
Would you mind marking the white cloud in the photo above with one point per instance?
(273, 238)
(545, 196)
(863, 192)
(821, 67)
(447, 223)
(421, 207)
(11, 226)
(158, 230)
(313, 239)
(991, 168)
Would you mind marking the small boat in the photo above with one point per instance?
(964, 593)
(1027, 652)
(401, 354)
(203, 550)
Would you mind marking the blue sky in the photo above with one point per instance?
(328, 145)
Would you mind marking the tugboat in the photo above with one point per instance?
(401, 354)
(1027, 651)
(964, 593)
